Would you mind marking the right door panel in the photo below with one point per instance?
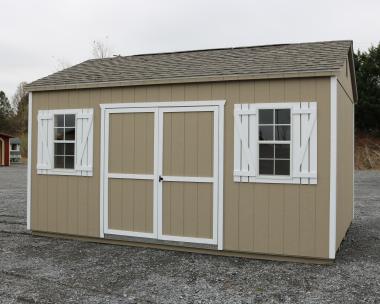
(187, 209)
(188, 175)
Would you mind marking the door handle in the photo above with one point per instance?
(160, 178)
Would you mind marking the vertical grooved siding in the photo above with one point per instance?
(345, 130)
(260, 218)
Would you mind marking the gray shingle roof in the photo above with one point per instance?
(256, 60)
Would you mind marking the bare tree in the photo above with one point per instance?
(20, 93)
(100, 49)
(61, 64)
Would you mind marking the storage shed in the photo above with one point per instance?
(4, 149)
(15, 150)
(239, 151)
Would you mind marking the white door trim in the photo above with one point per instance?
(162, 104)
(189, 179)
(130, 176)
(159, 107)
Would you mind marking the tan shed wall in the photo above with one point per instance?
(262, 218)
(345, 155)
(344, 78)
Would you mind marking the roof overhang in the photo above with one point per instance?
(179, 80)
(353, 73)
(6, 135)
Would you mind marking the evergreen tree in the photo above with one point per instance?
(367, 110)
(6, 114)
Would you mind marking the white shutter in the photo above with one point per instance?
(84, 142)
(245, 142)
(45, 130)
(304, 143)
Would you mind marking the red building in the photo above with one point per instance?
(4, 149)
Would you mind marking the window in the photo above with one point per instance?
(274, 141)
(64, 141)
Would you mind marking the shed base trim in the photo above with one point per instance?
(166, 246)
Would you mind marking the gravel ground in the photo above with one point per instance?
(45, 270)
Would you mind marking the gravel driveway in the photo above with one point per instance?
(45, 270)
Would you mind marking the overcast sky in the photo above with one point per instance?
(36, 36)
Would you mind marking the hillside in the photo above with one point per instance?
(367, 152)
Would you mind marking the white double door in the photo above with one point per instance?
(161, 172)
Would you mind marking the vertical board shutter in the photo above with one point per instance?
(45, 130)
(304, 140)
(84, 142)
(245, 142)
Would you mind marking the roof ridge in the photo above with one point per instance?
(220, 49)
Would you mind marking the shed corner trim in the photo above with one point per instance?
(29, 170)
(333, 165)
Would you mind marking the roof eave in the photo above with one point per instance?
(218, 78)
(353, 72)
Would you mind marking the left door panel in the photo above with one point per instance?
(131, 173)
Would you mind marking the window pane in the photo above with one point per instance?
(265, 116)
(69, 149)
(70, 120)
(59, 149)
(266, 151)
(282, 132)
(70, 134)
(266, 167)
(69, 162)
(283, 116)
(59, 162)
(283, 151)
(266, 132)
(58, 120)
(58, 133)
(282, 167)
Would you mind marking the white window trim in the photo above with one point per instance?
(63, 171)
(274, 177)
(241, 149)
